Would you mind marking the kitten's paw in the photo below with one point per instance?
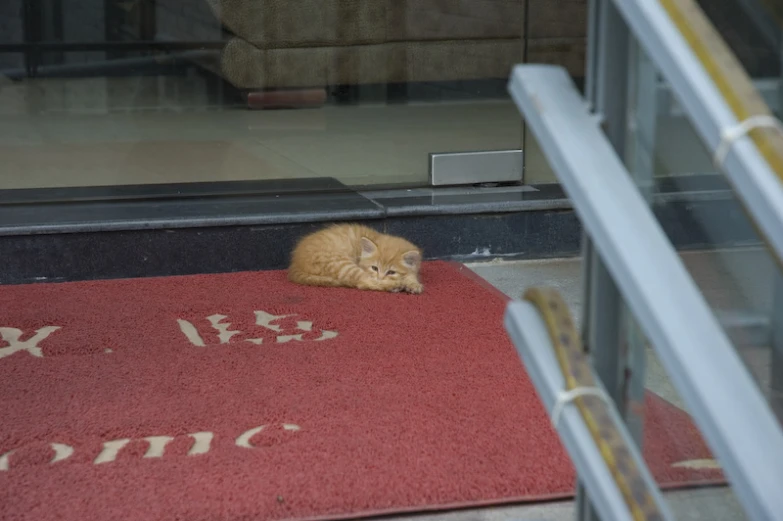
(414, 288)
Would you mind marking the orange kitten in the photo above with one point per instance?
(355, 256)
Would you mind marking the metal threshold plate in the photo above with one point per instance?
(470, 168)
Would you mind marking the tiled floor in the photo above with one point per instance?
(89, 131)
(105, 131)
(357, 145)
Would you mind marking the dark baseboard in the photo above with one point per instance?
(86, 240)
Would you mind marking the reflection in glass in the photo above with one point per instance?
(735, 270)
(97, 92)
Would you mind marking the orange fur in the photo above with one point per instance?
(355, 256)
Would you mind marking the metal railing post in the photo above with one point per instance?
(602, 327)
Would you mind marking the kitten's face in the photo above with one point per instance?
(388, 262)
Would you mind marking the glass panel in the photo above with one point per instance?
(663, 143)
(557, 34)
(752, 29)
(112, 93)
(734, 269)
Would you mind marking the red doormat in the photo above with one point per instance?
(243, 396)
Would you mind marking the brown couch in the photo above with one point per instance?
(313, 43)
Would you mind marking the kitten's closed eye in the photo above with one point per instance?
(391, 272)
(374, 268)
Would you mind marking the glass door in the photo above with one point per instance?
(372, 93)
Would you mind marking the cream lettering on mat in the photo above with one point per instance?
(156, 445)
(13, 337)
(61, 452)
(12, 342)
(224, 333)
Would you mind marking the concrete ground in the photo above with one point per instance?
(735, 282)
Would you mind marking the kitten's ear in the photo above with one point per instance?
(368, 247)
(411, 258)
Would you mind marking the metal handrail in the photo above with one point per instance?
(717, 95)
(593, 432)
(735, 419)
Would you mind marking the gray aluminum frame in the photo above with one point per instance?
(776, 367)
(746, 169)
(706, 108)
(605, 316)
(735, 419)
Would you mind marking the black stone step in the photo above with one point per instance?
(83, 234)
